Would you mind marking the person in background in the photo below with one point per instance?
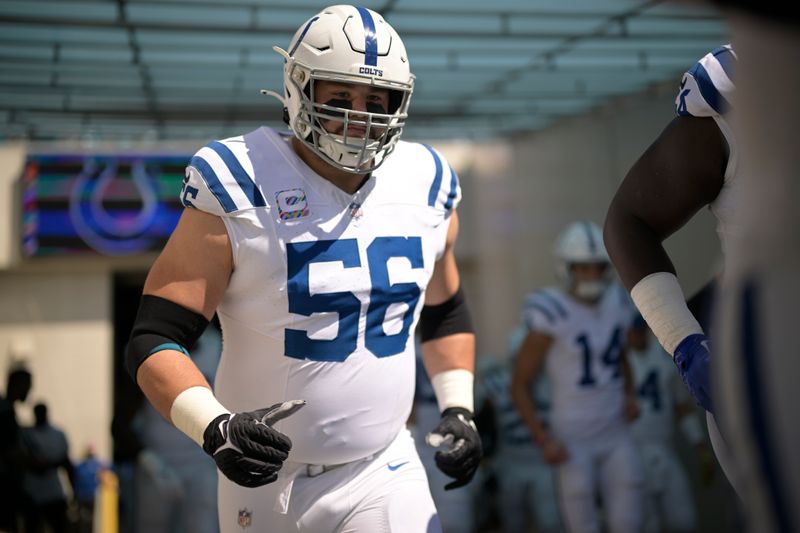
(87, 479)
(526, 495)
(663, 400)
(18, 385)
(46, 452)
(576, 332)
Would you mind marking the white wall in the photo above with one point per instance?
(59, 324)
(513, 211)
(12, 159)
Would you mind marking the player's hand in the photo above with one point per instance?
(246, 448)
(553, 450)
(693, 360)
(630, 410)
(462, 459)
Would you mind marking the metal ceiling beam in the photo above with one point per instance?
(391, 6)
(222, 111)
(408, 32)
(612, 26)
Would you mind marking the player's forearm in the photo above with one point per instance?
(448, 343)
(526, 408)
(166, 374)
(449, 352)
(450, 363)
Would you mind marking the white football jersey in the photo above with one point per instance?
(583, 362)
(327, 286)
(658, 389)
(707, 90)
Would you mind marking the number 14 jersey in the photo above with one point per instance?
(583, 362)
(327, 286)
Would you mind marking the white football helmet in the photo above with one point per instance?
(582, 242)
(349, 45)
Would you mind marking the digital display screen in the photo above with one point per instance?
(117, 204)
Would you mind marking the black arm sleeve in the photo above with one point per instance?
(447, 318)
(161, 324)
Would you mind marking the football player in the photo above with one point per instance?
(577, 332)
(320, 250)
(694, 163)
(526, 492)
(662, 399)
(756, 368)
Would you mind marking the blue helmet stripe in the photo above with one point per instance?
(239, 174)
(592, 244)
(300, 39)
(213, 183)
(726, 60)
(370, 39)
(708, 90)
(451, 196)
(437, 179)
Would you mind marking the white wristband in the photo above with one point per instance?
(193, 410)
(453, 388)
(660, 299)
(692, 430)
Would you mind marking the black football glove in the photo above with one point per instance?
(462, 459)
(246, 448)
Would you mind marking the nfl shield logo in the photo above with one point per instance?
(245, 518)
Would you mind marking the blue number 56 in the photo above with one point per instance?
(300, 256)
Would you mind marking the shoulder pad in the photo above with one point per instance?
(707, 89)
(219, 179)
(445, 189)
(547, 306)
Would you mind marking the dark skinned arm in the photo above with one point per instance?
(680, 173)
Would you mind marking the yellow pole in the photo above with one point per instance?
(106, 509)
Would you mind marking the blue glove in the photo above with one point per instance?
(693, 360)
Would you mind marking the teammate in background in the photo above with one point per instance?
(662, 399)
(577, 333)
(526, 497)
(694, 163)
(318, 250)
